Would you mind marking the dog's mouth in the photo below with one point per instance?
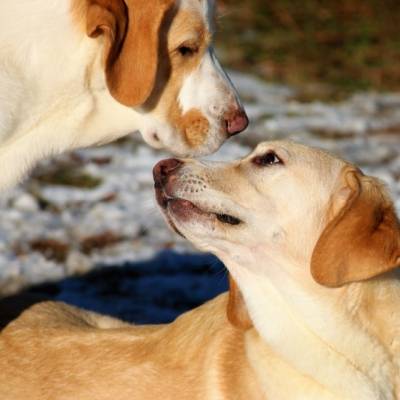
(184, 210)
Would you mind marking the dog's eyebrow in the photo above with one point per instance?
(280, 151)
(283, 150)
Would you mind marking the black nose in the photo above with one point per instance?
(163, 169)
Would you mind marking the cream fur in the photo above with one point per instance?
(307, 342)
(315, 342)
(53, 94)
(57, 352)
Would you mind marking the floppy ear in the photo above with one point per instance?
(131, 34)
(237, 310)
(363, 238)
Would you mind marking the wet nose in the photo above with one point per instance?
(163, 169)
(236, 121)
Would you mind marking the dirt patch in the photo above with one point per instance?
(51, 249)
(100, 241)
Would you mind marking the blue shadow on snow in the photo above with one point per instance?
(149, 292)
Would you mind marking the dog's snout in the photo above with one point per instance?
(164, 168)
(236, 121)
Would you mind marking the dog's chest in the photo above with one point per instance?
(279, 380)
(297, 359)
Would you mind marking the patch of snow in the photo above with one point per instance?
(364, 129)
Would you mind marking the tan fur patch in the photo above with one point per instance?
(78, 11)
(237, 312)
(195, 127)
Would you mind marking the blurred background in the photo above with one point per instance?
(327, 49)
(85, 228)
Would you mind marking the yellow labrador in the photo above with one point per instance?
(312, 245)
(77, 73)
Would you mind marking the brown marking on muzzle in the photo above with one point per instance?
(195, 127)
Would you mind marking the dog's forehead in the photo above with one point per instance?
(193, 20)
(305, 162)
(205, 9)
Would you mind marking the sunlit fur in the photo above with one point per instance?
(301, 340)
(54, 96)
(315, 342)
(57, 352)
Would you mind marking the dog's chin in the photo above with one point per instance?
(176, 143)
(210, 146)
(153, 139)
(172, 224)
(213, 140)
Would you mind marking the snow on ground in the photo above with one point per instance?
(50, 231)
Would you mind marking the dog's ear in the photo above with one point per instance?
(362, 240)
(130, 31)
(237, 312)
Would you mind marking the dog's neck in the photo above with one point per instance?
(343, 339)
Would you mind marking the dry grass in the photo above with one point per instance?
(326, 48)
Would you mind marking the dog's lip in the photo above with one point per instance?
(161, 197)
(172, 205)
(183, 208)
(176, 205)
(166, 201)
(172, 224)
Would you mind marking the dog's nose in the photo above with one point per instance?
(164, 168)
(236, 121)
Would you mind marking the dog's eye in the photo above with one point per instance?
(186, 51)
(228, 219)
(269, 158)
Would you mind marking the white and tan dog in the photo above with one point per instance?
(311, 243)
(77, 73)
